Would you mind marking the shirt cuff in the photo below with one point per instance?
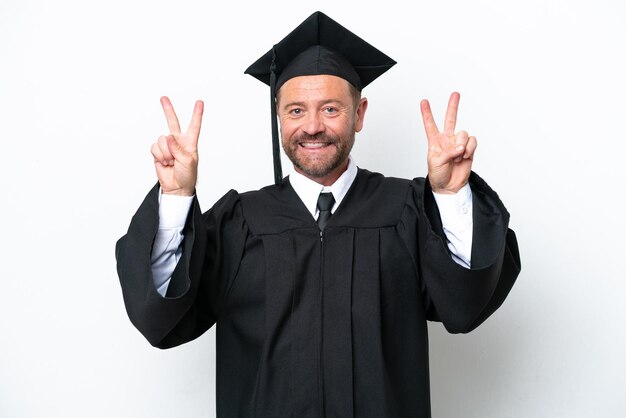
(173, 210)
(457, 222)
(455, 208)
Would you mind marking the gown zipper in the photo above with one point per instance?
(321, 353)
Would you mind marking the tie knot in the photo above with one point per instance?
(325, 201)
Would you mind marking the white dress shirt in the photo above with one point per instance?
(455, 211)
(309, 191)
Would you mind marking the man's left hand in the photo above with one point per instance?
(450, 154)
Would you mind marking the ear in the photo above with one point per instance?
(360, 114)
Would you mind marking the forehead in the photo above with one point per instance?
(314, 87)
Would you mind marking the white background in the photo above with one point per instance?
(542, 86)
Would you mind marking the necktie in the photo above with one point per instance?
(325, 203)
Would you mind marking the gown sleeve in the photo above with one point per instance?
(462, 298)
(212, 249)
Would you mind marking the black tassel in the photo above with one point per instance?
(278, 171)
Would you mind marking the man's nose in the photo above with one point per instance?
(313, 124)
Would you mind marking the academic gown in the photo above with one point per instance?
(311, 326)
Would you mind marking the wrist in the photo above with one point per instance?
(446, 188)
(442, 191)
(178, 192)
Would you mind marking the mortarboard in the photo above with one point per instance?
(319, 45)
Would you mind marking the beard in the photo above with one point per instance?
(318, 166)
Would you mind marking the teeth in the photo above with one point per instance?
(313, 144)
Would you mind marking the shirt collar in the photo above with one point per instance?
(308, 190)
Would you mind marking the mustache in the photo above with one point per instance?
(318, 137)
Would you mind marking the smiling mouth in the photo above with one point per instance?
(314, 145)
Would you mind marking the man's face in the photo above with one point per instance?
(318, 121)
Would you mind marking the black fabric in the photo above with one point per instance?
(317, 60)
(325, 203)
(342, 53)
(311, 328)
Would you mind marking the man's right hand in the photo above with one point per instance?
(176, 155)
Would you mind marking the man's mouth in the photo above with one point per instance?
(314, 145)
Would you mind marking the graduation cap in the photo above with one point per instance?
(319, 45)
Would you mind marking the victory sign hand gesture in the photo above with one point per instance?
(450, 154)
(176, 155)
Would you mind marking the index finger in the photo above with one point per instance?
(170, 115)
(453, 106)
(429, 121)
(196, 120)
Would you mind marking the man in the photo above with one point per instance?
(321, 284)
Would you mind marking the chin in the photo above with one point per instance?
(318, 169)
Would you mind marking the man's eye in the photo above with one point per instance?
(296, 112)
(330, 110)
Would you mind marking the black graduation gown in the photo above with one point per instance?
(320, 328)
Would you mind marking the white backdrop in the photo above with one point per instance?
(542, 86)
